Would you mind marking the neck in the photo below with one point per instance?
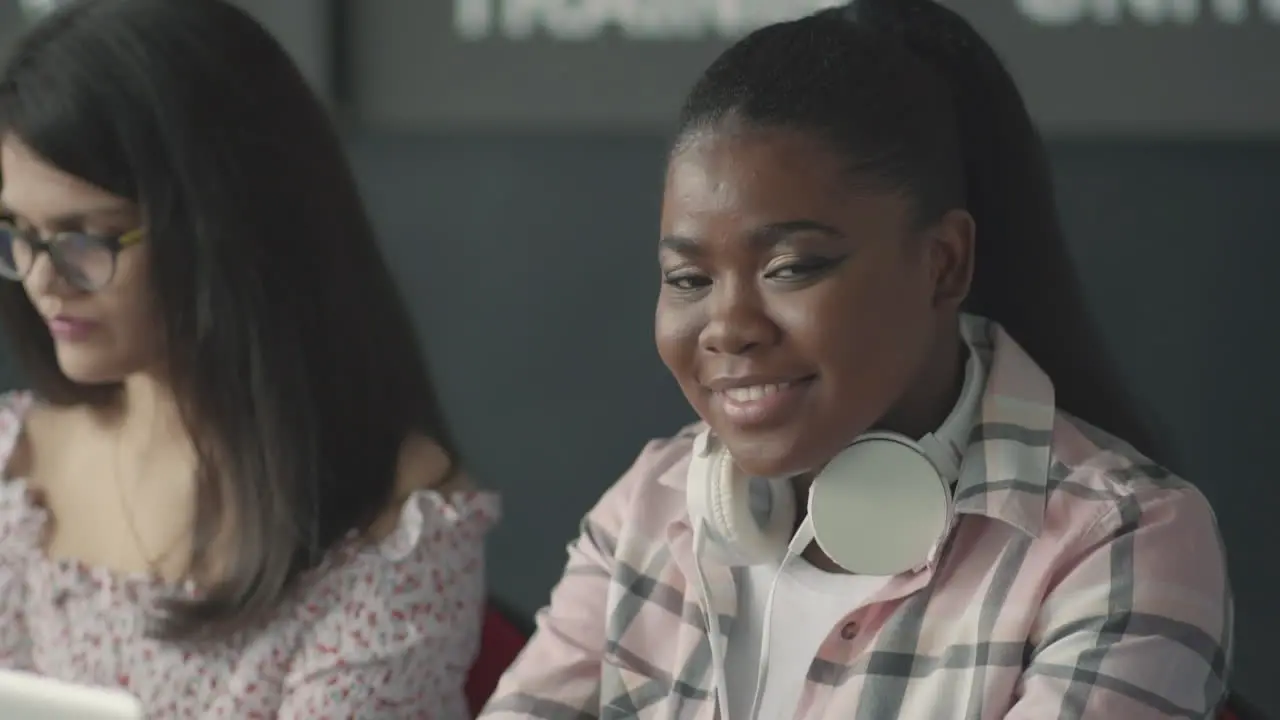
(146, 415)
(934, 393)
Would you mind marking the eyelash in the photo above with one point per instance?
(801, 270)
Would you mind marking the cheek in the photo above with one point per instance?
(675, 332)
(867, 331)
(131, 268)
(32, 294)
(128, 303)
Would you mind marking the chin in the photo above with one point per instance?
(82, 369)
(772, 455)
(91, 378)
(788, 449)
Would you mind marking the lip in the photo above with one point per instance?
(753, 401)
(734, 382)
(69, 328)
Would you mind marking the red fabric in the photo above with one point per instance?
(500, 642)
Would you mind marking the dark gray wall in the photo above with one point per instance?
(302, 26)
(531, 266)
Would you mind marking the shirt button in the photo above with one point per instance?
(849, 631)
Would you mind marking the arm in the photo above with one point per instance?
(22, 528)
(412, 684)
(15, 641)
(1138, 626)
(393, 630)
(557, 677)
(21, 535)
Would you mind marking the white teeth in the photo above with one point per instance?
(754, 392)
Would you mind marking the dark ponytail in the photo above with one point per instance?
(920, 103)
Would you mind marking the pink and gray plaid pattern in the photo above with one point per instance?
(1081, 581)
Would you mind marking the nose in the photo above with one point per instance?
(737, 323)
(44, 278)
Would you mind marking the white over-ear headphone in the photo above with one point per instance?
(883, 506)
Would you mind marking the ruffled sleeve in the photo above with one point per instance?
(394, 628)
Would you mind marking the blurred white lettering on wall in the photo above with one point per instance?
(661, 20)
(1057, 13)
(1087, 68)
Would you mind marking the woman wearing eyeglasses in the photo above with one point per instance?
(231, 492)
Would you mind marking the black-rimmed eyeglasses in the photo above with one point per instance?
(84, 260)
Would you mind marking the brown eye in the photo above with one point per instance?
(801, 269)
(686, 281)
(86, 259)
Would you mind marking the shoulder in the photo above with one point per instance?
(32, 430)
(1103, 487)
(650, 493)
(420, 586)
(15, 410)
(1140, 564)
(423, 465)
(657, 474)
(662, 461)
(21, 520)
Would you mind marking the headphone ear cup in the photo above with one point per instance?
(752, 518)
(880, 507)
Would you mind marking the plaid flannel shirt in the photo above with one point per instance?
(1081, 581)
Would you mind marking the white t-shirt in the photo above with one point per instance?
(806, 607)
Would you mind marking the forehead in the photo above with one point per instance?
(35, 189)
(750, 177)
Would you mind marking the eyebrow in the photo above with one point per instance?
(765, 237)
(76, 217)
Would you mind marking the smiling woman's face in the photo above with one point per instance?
(101, 336)
(797, 309)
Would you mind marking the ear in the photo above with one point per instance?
(951, 244)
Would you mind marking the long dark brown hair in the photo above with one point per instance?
(290, 351)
